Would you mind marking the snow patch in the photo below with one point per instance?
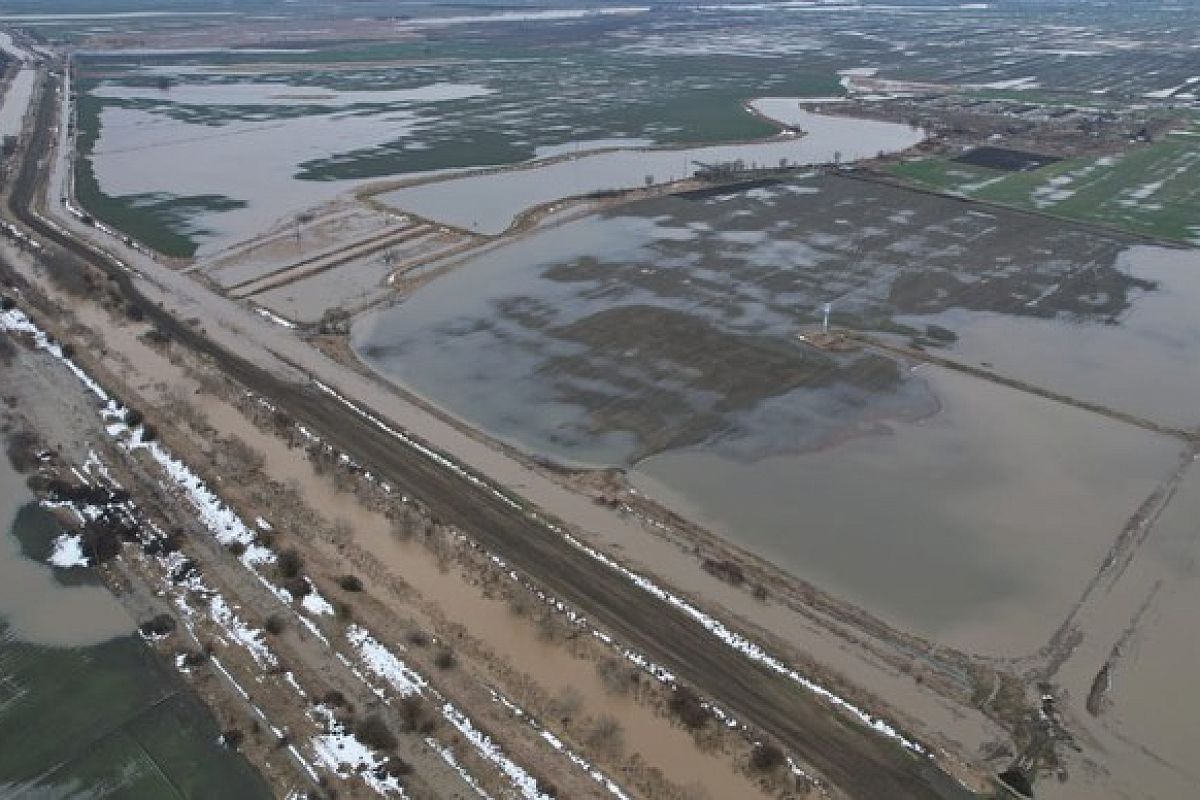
(381, 661)
(315, 604)
(340, 752)
(68, 552)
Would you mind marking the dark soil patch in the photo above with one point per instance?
(1006, 160)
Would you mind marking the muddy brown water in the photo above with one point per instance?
(944, 504)
(512, 638)
(977, 526)
(81, 620)
(39, 609)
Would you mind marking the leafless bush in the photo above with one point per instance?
(350, 583)
(726, 570)
(520, 603)
(22, 447)
(605, 735)
(290, 563)
(567, 703)
(234, 456)
(617, 675)
(766, 757)
(70, 274)
(232, 738)
(374, 732)
(416, 715)
(687, 706)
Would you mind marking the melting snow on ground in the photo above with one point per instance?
(68, 551)
(383, 663)
(483, 744)
(340, 752)
(316, 605)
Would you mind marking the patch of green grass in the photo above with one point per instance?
(1151, 189)
(944, 174)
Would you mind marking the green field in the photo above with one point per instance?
(1150, 189)
(107, 721)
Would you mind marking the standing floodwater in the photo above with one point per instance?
(662, 337)
(35, 605)
(490, 203)
(96, 710)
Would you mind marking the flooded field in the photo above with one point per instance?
(99, 715)
(1153, 344)
(196, 156)
(300, 122)
(662, 338)
(977, 527)
(673, 323)
(16, 101)
(219, 162)
(489, 204)
(34, 603)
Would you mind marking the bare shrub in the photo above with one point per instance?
(688, 708)
(605, 735)
(22, 448)
(159, 625)
(519, 603)
(766, 757)
(567, 703)
(374, 732)
(290, 563)
(416, 715)
(617, 675)
(298, 586)
(726, 570)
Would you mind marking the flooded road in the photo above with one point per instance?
(490, 203)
